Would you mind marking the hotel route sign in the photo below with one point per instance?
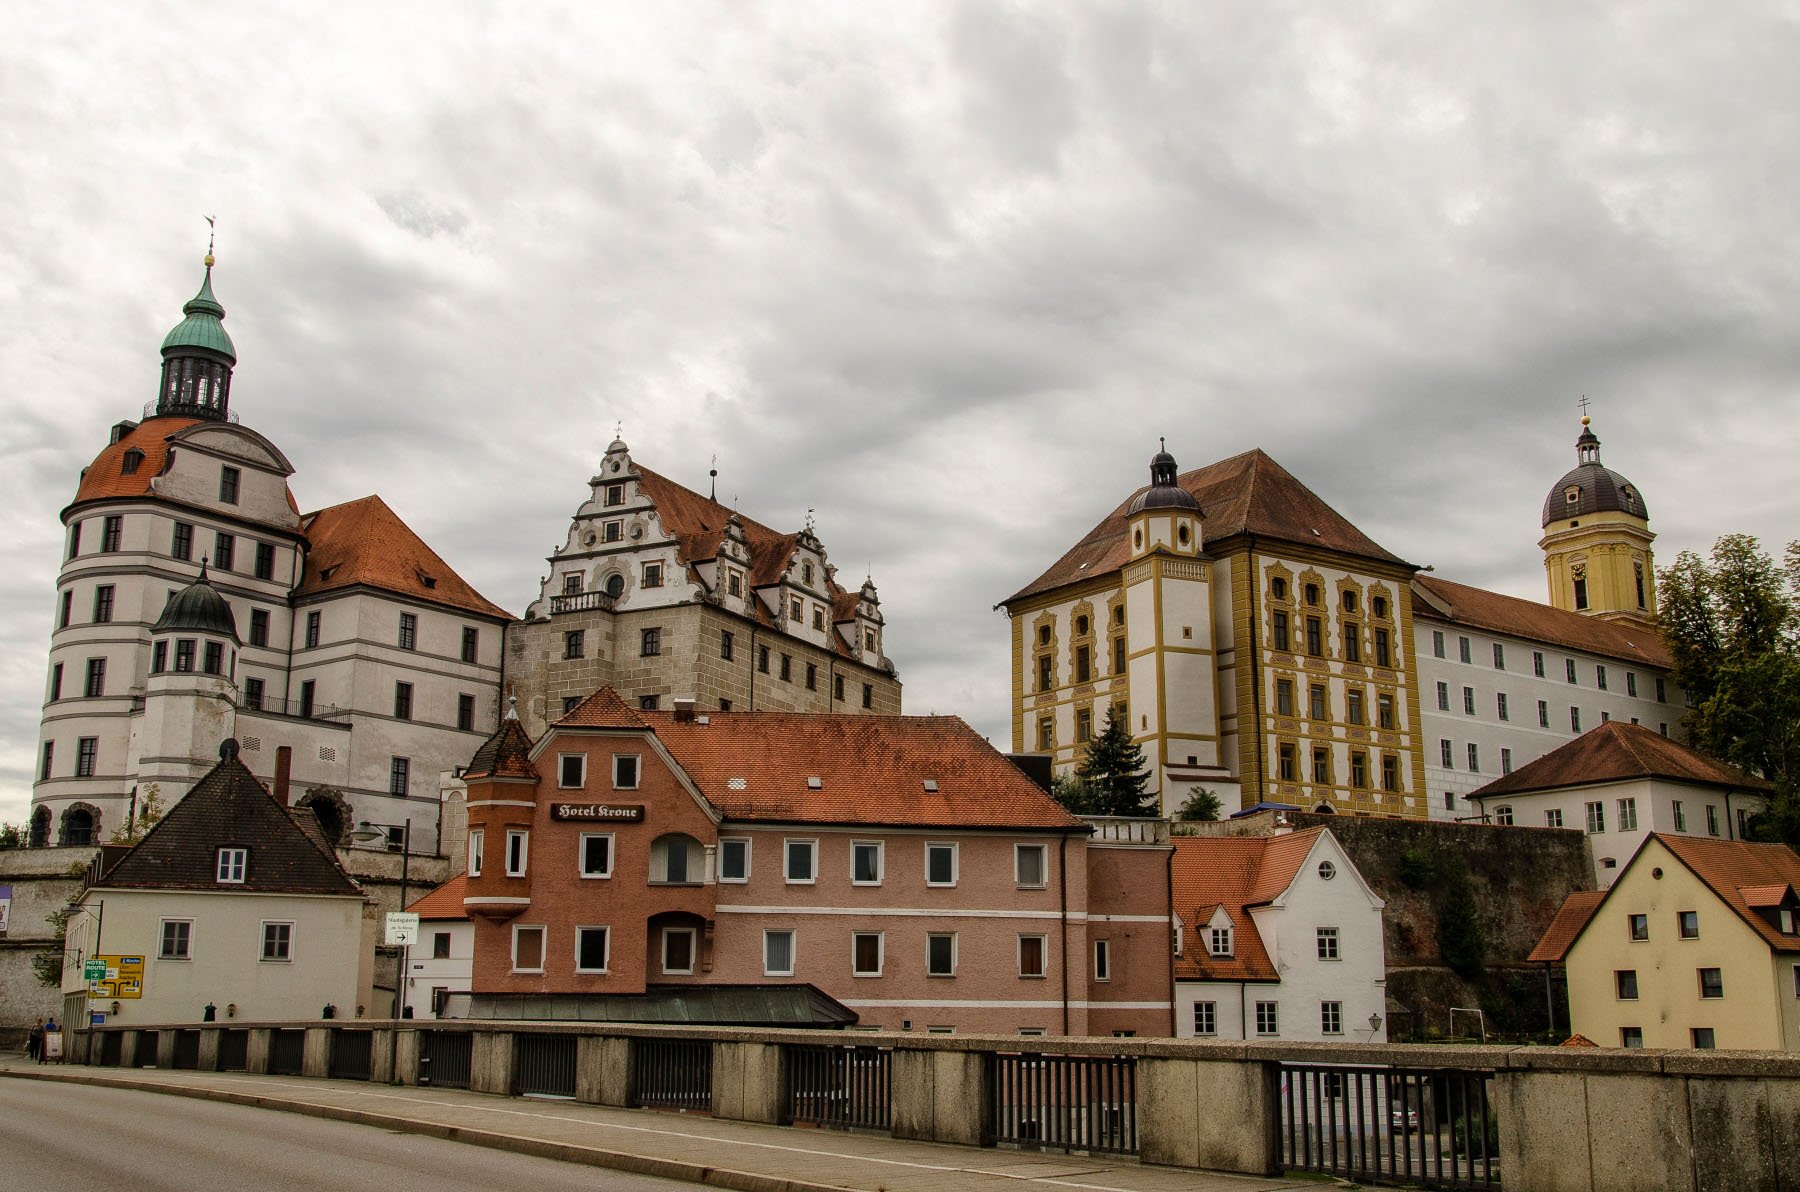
(612, 813)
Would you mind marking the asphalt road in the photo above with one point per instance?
(75, 1138)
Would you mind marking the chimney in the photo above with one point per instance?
(284, 766)
(684, 709)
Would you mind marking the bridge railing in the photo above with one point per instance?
(1432, 1116)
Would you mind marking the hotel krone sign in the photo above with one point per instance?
(612, 813)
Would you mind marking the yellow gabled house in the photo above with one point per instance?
(1695, 945)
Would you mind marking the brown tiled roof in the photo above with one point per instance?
(1761, 896)
(1578, 1041)
(105, 478)
(1480, 609)
(1236, 872)
(365, 543)
(445, 902)
(755, 766)
(1571, 917)
(603, 709)
(1616, 751)
(1729, 867)
(506, 754)
(229, 808)
(1246, 494)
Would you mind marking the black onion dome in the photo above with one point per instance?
(1591, 487)
(1164, 492)
(198, 608)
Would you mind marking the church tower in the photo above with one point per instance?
(198, 357)
(1597, 540)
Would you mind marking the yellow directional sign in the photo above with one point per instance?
(124, 977)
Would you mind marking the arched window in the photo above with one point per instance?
(40, 827)
(78, 824)
(615, 585)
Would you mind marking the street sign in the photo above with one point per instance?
(402, 928)
(120, 976)
(94, 970)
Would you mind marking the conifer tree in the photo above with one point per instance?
(1111, 772)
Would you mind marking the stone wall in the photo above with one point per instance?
(41, 883)
(1517, 878)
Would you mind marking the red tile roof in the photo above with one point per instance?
(1730, 867)
(1475, 608)
(1238, 873)
(1616, 751)
(755, 766)
(1571, 917)
(365, 543)
(506, 754)
(1246, 494)
(445, 902)
(105, 477)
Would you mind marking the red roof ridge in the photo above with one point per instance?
(602, 709)
(444, 902)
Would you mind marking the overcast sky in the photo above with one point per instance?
(941, 272)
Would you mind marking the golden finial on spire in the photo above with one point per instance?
(1583, 403)
(211, 231)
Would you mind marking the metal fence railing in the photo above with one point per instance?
(1413, 1126)
(672, 1074)
(234, 1050)
(350, 1054)
(445, 1058)
(544, 1065)
(1064, 1102)
(841, 1087)
(287, 1052)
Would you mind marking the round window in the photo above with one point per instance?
(637, 532)
(615, 584)
(1327, 871)
(589, 538)
(1182, 534)
(1137, 539)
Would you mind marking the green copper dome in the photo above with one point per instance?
(204, 325)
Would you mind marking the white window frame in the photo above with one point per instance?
(811, 843)
(1103, 960)
(562, 761)
(793, 942)
(1217, 936)
(1043, 955)
(880, 848)
(543, 946)
(1274, 1009)
(637, 771)
(263, 945)
(693, 951)
(1628, 818)
(476, 838)
(232, 864)
(880, 953)
(1043, 852)
(523, 837)
(606, 952)
(949, 935)
(955, 863)
(1328, 943)
(162, 935)
(734, 881)
(611, 854)
(1329, 1013)
(1596, 818)
(1211, 1011)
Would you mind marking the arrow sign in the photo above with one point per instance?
(94, 970)
(402, 928)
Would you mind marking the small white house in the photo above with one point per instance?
(1619, 783)
(231, 901)
(1280, 938)
(443, 960)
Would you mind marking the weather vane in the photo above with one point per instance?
(715, 476)
(211, 230)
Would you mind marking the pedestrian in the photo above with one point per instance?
(34, 1039)
(50, 1028)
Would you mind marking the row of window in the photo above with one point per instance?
(650, 646)
(1268, 1018)
(1380, 649)
(1310, 594)
(176, 940)
(1287, 767)
(1219, 942)
(677, 859)
(1318, 704)
(181, 545)
(1700, 1038)
(87, 755)
(1503, 709)
(1447, 756)
(1084, 725)
(781, 950)
(1465, 653)
(1712, 983)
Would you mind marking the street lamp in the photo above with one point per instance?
(373, 831)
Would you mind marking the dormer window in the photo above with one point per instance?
(795, 611)
(1220, 944)
(130, 461)
(806, 574)
(869, 641)
(653, 575)
(614, 531)
(1572, 494)
(232, 862)
(615, 494)
(734, 583)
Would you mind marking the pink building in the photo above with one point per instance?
(633, 864)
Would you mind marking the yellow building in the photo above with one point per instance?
(1694, 945)
(1257, 642)
(1597, 540)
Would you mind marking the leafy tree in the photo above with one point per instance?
(1461, 940)
(1111, 772)
(150, 811)
(1073, 794)
(1733, 626)
(1201, 805)
(11, 836)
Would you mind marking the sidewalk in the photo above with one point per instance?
(699, 1149)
